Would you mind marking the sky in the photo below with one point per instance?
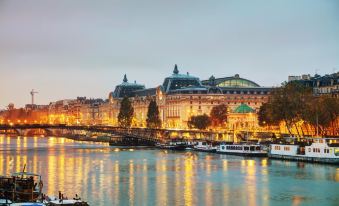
(69, 48)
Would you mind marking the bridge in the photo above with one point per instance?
(131, 135)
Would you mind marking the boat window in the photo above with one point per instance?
(223, 147)
(287, 148)
(252, 148)
(258, 148)
(246, 148)
(336, 152)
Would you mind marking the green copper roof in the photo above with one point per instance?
(243, 108)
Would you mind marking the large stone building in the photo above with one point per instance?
(183, 95)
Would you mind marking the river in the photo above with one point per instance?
(104, 175)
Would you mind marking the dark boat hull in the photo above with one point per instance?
(205, 150)
(305, 159)
(175, 147)
(244, 154)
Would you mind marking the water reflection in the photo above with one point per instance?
(113, 176)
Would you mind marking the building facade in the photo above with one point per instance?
(183, 95)
(321, 85)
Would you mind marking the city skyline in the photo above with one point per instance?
(69, 49)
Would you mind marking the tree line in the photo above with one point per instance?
(126, 112)
(300, 111)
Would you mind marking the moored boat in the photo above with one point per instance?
(204, 146)
(320, 150)
(252, 150)
(25, 189)
(174, 145)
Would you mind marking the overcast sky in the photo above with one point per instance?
(69, 48)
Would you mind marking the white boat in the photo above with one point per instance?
(322, 150)
(27, 204)
(253, 150)
(61, 200)
(205, 147)
(66, 203)
(174, 145)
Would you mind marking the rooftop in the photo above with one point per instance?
(234, 81)
(180, 81)
(244, 108)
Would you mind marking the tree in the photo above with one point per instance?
(219, 115)
(199, 122)
(295, 105)
(322, 112)
(265, 116)
(153, 119)
(287, 104)
(126, 113)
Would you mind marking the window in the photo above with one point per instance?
(336, 152)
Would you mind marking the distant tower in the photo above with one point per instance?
(32, 94)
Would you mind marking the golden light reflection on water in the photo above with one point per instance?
(250, 181)
(188, 185)
(161, 182)
(116, 182)
(177, 181)
(145, 180)
(131, 183)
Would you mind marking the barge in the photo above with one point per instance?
(250, 150)
(205, 147)
(318, 150)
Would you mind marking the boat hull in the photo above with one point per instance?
(205, 150)
(243, 154)
(323, 160)
(173, 147)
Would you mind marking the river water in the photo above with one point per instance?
(105, 175)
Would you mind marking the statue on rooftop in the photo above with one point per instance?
(175, 71)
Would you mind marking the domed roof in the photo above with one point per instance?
(244, 108)
(234, 81)
(126, 88)
(180, 81)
